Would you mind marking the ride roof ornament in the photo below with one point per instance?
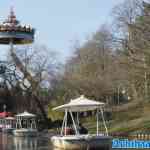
(12, 21)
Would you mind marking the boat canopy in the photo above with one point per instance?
(26, 114)
(80, 104)
(10, 118)
(5, 114)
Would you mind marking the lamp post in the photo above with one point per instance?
(123, 91)
(129, 98)
(118, 93)
(4, 107)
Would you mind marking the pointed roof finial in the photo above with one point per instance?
(12, 11)
(12, 16)
(12, 21)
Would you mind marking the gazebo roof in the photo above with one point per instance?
(80, 104)
(26, 114)
(10, 118)
(5, 114)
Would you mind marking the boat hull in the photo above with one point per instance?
(7, 130)
(84, 142)
(25, 132)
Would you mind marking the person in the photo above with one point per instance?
(82, 129)
(69, 130)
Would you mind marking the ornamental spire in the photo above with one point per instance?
(12, 21)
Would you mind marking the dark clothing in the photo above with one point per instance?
(83, 130)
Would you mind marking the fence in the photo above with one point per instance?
(137, 136)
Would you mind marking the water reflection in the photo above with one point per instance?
(25, 143)
(9, 142)
(3, 139)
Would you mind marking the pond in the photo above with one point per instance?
(9, 142)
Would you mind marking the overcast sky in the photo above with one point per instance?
(59, 23)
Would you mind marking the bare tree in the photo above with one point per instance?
(135, 44)
(37, 65)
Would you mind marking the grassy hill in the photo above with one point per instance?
(127, 118)
(131, 117)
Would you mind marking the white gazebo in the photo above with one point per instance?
(25, 124)
(81, 104)
(8, 124)
(78, 141)
(27, 119)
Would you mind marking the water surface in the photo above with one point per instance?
(9, 142)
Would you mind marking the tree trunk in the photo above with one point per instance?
(33, 83)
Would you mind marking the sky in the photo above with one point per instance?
(59, 23)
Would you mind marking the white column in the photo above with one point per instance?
(104, 121)
(97, 119)
(62, 128)
(76, 131)
(66, 111)
(78, 118)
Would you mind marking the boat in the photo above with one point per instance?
(8, 125)
(25, 125)
(6, 120)
(78, 141)
(1, 123)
